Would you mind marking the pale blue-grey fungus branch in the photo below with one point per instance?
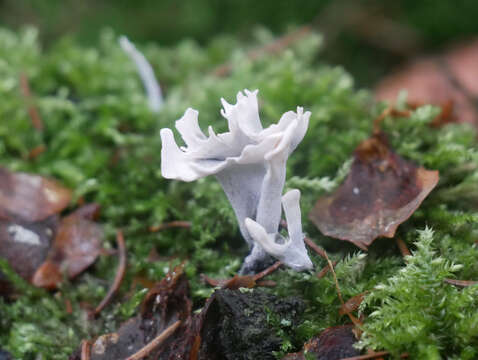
(250, 164)
(146, 73)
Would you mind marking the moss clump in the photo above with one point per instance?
(102, 141)
(415, 311)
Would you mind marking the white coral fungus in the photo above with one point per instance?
(250, 163)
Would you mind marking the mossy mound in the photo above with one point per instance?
(103, 142)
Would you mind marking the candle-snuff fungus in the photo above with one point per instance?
(249, 162)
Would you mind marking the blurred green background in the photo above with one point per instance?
(368, 37)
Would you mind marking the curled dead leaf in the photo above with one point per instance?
(381, 191)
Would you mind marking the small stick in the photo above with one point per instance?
(315, 247)
(390, 111)
(325, 270)
(461, 283)
(331, 266)
(119, 275)
(68, 307)
(158, 340)
(32, 110)
(85, 350)
(267, 271)
(356, 321)
(36, 151)
(402, 247)
(172, 224)
(245, 280)
(374, 356)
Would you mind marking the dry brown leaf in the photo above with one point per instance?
(25, 245)
(381, 191)
(30, 197)
(77, 244)
(449, 80)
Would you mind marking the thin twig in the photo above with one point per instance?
(267, 271)
(158, 340)
(374, 356)
(390, 111)
(461, 283)
(85, 350)
(32, 110)
(315, 247)
(33, 154)
(325, 270)
(402, 247)
(172, 224)
(118, 277)
(249, 281)
(355, 321)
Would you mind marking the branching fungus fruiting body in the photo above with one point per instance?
(250, 164)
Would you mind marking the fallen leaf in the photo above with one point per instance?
(449, 80)
(381, 191)
(30, 197)
(77, 244)
(334, 343)
(26, 245)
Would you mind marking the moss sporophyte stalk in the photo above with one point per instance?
(101, 139)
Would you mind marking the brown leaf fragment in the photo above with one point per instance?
(30, 197)
(381, 191)
(430, 81)
(352, 304)
(76, 246)
(47, 276)
(90, 211)
(449, 80)
(334, 343)
(25, 245)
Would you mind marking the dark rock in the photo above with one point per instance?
(236, 325)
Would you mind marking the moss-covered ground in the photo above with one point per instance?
(103, 142)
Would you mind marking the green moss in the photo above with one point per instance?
(415, 311)
(103, 142)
